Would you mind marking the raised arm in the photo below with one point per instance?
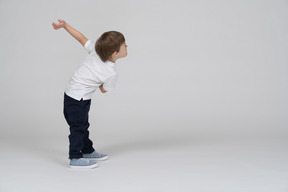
(76, 34)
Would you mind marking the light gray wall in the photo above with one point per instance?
(203, 65)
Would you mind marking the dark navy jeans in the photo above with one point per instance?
(76, 115)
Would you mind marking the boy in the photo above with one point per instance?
(97, 70)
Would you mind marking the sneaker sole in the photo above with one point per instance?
(84, 167)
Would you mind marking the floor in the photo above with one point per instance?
(148, 162)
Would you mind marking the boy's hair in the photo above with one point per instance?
(108, 43)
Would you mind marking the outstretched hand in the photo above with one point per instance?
(59, 25)
(76, 34)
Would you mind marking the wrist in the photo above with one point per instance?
(65, 25)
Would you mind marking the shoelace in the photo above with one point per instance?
(85, 160)
(99, 154)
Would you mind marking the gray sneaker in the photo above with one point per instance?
(82, 163)
(96, 156)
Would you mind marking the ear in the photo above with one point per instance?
(115, 53)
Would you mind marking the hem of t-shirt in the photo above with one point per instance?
(78, 98)
(73, 96)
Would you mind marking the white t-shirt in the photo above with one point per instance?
(92, 73)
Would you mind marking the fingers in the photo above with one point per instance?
(58, 25)
(54, 25)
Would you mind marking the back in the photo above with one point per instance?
(92, 73)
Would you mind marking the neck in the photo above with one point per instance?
(112, 59)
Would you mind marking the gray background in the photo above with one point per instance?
(195, 69)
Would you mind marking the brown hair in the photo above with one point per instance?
(108, 43)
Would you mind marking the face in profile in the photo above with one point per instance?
(123, 51)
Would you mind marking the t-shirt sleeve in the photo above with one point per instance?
(89, 46)
(110, 83)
